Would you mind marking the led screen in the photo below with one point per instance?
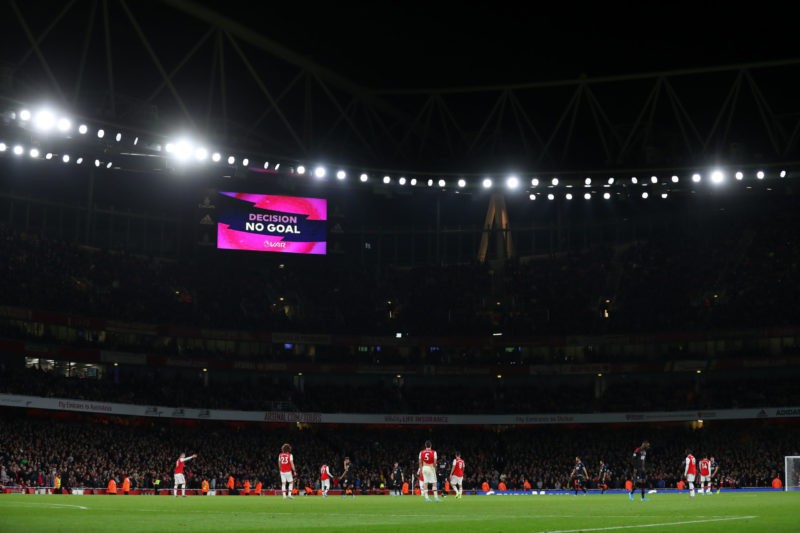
(266, 223)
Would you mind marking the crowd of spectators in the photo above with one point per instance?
(89, 453)
(544, 394)
(723, 271)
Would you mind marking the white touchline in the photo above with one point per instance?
(663, 524)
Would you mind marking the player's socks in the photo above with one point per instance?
(630, 495)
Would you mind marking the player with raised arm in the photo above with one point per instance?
(427, 467)
(457, 475)
(690, 471)
(579, 476)
(288, 471)
(639, 469)
(180, 479)
(603, 476)
(705, 475)
(325, 480)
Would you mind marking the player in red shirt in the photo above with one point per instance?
(457, 475)
(427, 467)
(690, 471)
(180, 479)
(705, 475)
(324, 480)
(287, 470)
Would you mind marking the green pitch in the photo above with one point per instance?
(728, 512)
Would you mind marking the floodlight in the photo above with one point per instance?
(301, 169)
(462, 183)
(34, 152)
(487, 183)
(442, 183)
(320, 172)
(341, 174)
(387, 179)
(363, 178)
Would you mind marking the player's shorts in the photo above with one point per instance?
(705, 479)
(325, 484)
(180, 479)
(287, 477)
(428, 474)
(690, 478)
(455, 480)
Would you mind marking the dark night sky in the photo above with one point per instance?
(393, 44)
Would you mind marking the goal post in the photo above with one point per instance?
(791, 472)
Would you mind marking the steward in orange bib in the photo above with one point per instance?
(112, 487)
(204, 487)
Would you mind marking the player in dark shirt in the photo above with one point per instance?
(579, 476)
(396, 480)
(715, 480)
(442, 471)
(603, 477)
(639, 469)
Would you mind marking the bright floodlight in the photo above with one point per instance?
(760, 174)
(674, 179)
(24, 115)
(63, 125)
(65, 158)
(782, 174)
(118, 137)
(3, 147)
(442, 183)
(201, 154)
(739, 175)
(109, 164)
(245, 162)
(216, 157)
(611, 181)
(301, 170)
(320, 172)
(18, 150)
(554, 181)
(606, 196)
(430, 183)
(363, 178)
(487, 183)
(48, 156)
(551, 196)
(587, 196)
(696, 178)
(532, 196)
(664, 195)
(34, 152)
(569, 196)
(79, 161)
(277, 166)
(387, 179)
(97, 162)
(645, 195)
(45, 120)
(402, 180)
(634, 180)
(512, 182)
(653, 179)
(413, 181)
(462, 183)
(101, 133)
(535, 182)
(135, 141)
(231, 160)
(587, 181)
(717, 177)
(341, 174)
(183, 150)
(82, 129)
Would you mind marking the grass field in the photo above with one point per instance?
(772, 512)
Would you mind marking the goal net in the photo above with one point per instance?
(791, 469)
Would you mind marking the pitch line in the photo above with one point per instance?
(23, 504)
(663, 524)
